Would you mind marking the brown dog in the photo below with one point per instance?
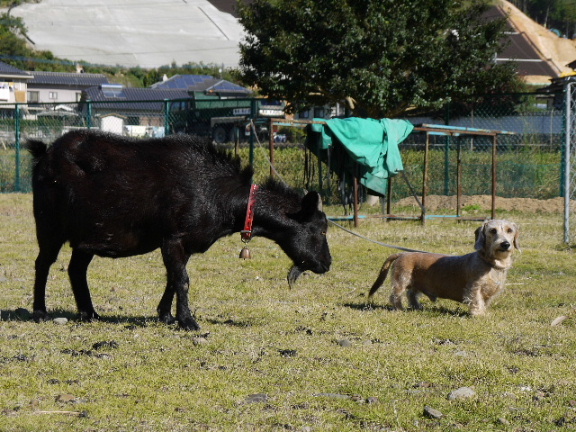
(474, 279)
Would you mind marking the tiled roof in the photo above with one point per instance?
(7, 70)
(65, 78)
(520, 50)
(119, 97)
(204, 83)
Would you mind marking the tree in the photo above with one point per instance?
(385, 57)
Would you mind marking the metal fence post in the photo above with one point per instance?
(253, 115)
(566, 174)
(17, 147)
(167, 130)
(89, 114)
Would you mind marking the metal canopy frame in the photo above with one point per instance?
(428, 129)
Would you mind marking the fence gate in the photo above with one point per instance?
(570, 163)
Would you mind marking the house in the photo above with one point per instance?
(109, 103)
(539, 52)
(205, 84)
(146, 106)
(61, 87)
(37, 88)
(13, 85)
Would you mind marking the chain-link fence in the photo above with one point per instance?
(226, 121)
(528, 164)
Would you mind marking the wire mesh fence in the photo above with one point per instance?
(528, 165)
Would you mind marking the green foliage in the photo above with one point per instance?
(559, 14)
(259, 338)
(383, 57)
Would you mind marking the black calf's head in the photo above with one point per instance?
(306, 242)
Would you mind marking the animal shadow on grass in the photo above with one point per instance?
(23, 315)
(229, 322)
(430, 310)
(363, 306)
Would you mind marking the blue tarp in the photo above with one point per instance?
(363, 148)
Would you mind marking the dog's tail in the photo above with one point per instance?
(383, 273)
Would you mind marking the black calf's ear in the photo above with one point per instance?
(311, 203)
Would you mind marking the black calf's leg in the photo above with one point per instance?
(77, 272)
(46, 257)
(175, 260)
(165, 306)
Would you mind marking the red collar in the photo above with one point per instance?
(246, 233)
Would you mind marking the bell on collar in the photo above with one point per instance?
(245, 253)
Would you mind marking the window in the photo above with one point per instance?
(33, 97)
(53, 95)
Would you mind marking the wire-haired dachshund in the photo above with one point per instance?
(473, 279)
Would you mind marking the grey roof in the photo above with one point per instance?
(522, 51)
(67, 79)
(202, 83)
(7, 70)
(114, 96)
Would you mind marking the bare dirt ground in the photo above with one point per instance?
(484, 202)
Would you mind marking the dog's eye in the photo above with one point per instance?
(493, 231)
(509, 230)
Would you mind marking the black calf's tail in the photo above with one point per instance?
(383, 273)
(37, 149)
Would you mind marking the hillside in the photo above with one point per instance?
(148, 33)
(160, 32)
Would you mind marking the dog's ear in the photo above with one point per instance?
(516, 235)
(480, 238)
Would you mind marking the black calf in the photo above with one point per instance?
(116, 197)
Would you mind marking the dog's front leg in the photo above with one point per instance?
(475, 300)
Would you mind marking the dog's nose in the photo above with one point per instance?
(505, 245)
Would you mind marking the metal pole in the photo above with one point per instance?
(356, 196)
(459, 178)
(253, 115)
(425, 179)
(271, 146)
(447, 165)
(167, 130)
(389, 197)
(17, 146)
(494, 180)
(89, 114)
(567, 162)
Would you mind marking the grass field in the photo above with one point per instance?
(315, 358)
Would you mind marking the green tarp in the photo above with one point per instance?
(363, 148)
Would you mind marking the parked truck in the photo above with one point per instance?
(224, 120)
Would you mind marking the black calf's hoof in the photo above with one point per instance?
(39, 316)
(89, 316)
(189, 324)
(167, 318)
